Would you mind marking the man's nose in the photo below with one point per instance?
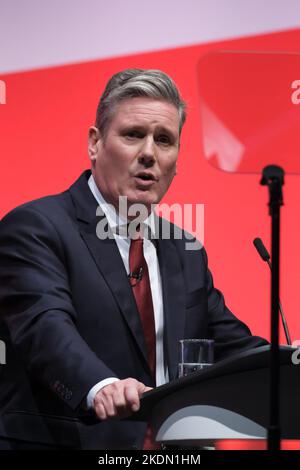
(147, 153)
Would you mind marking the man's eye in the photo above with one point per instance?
(134, 134)
(164, 139)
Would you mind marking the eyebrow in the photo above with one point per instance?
(141, 127)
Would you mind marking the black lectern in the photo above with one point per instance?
(229, 400)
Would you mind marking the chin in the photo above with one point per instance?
(142, 197)
(146, 201)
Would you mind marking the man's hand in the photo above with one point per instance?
(119, 399)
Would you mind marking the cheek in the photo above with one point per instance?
(169, 171)
(121, 162)
(166, 181)
(114, 167)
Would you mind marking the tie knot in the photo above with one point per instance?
(136, 254)
(139, 240)
(137, 232)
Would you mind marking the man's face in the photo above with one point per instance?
(137, 156)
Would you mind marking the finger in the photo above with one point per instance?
(120, 412)
(132, 397)
(100, 411)
(119, 400)
(104, 398)
(108, 403)
(142, 388)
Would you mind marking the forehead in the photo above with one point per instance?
(146, 111)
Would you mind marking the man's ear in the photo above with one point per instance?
(93, 143)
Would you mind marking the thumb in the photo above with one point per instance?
(142, 388)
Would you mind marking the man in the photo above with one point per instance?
(92, 317)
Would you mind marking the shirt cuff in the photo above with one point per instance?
(92, 393)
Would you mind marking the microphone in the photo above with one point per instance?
(137, 275)
(265, 256)
(262, 250)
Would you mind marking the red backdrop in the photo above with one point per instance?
(43, 149)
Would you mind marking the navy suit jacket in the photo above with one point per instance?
(69, 320)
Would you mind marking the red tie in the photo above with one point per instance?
(139, 280)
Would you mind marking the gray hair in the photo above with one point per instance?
(133, 83)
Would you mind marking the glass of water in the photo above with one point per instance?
(194, 355)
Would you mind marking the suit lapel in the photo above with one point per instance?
(174, 301)
(110, 264)
(107, 258)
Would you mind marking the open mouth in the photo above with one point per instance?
(144, 176)
(145, 181)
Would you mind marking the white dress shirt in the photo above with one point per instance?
(123, 243)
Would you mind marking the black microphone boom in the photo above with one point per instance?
(262, 250)
(265, 256)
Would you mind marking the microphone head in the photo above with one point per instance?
(261, 249)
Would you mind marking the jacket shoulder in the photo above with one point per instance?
(48, 206)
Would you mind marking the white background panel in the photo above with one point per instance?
(39, 33)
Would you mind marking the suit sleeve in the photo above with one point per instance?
(230, 334)
(36, 305)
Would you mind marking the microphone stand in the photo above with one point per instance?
(284, 323)
(273, 177)
(264, 254)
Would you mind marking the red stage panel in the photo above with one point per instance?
(43, 139)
